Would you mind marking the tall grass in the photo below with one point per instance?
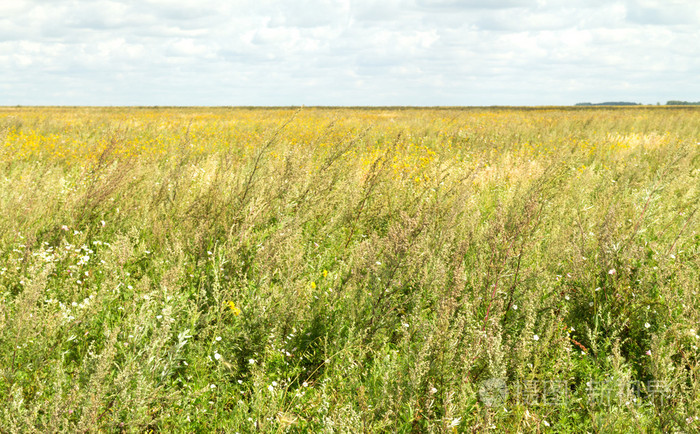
(349, 270)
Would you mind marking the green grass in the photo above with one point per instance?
(394, 270)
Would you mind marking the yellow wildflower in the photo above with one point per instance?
(234, 309)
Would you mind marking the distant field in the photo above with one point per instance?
(349, 270)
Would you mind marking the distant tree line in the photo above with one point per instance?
(682, 103)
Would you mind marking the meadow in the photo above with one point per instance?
(349, 270)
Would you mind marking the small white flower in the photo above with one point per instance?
(274, 384)
(212, 386)
(305, 384)
(64, 227)
(546, 423)
(515, 307)
(159, 316)
(612, 271)
(567, 297)
(217, 356)
(455, 422)
(270, 388)
(590, 304)
(251, 361)
(378, 263)
(102, 222)
(597, 289)
(218, 338)
(209, 253)
(647, 325)
(433, 391)
(535, 337)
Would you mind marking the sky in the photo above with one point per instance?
(348, 52)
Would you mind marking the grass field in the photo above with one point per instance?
(349, 270)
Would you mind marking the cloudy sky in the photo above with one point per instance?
(348, 52)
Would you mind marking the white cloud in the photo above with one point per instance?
(421, 52)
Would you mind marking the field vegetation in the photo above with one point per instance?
(349, 270)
